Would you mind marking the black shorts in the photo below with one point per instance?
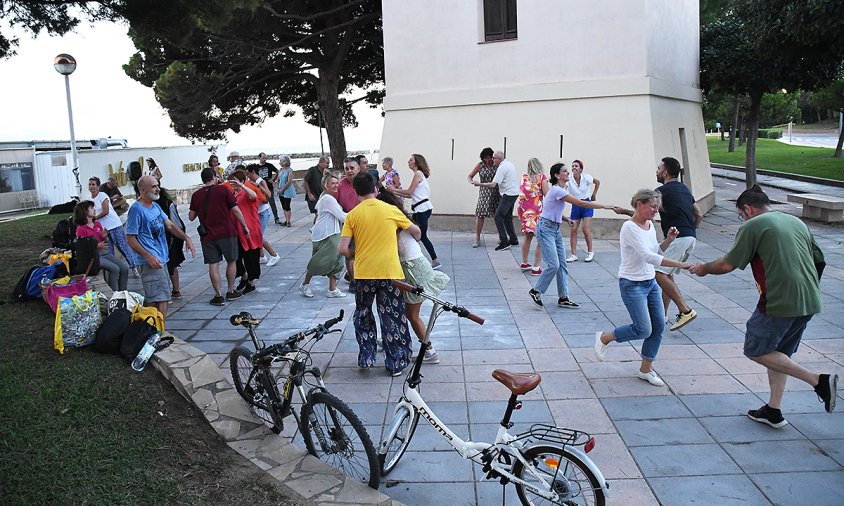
(311, 205)
(285, 203)
(214, 251)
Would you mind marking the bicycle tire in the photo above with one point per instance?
(254, 385)
(577, 485)
(404, 433)
(345, 441)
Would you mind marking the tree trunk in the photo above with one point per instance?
(753, 127)
(732, 147)
(742, 137)
(332, 113)
(840, 141)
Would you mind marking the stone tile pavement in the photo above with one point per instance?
(687, 442)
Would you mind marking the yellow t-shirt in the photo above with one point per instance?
(373, 225)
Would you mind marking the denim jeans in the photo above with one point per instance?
(421, 219)
(264, 219)
(504, 220)
(643, 300)
(554, 253)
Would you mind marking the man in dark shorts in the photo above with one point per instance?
(313, 183)
(269, 174)
(145, 228)
(218, 213)
(787, 265)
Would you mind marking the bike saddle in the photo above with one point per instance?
(519, 383)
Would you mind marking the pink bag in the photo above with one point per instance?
(78, 285)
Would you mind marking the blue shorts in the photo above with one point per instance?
(578, 212)
(773, 333)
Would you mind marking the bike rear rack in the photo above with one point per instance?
(556, 435)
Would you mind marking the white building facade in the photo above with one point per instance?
(613, 83)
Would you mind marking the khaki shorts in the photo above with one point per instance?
(679, 250)
(156, 283)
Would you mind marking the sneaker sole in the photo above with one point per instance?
(600, 355)
(678, 325)
(833, 392)
(768, 422)
(568, 307)
(504, 248)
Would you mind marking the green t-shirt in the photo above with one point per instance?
(782, 255)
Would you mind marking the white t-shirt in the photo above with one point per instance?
(581, 191)
(639, 252)
(505, 176)
(409, 248)
(111, 220)
(420, 193)
(329, 216)
(265, 205)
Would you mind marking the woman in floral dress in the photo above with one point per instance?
(533, 188)
(487, 197)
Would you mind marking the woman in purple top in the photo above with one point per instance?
(551, 240)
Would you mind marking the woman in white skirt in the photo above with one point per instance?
(417, 272)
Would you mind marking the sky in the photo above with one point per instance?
(107, 103)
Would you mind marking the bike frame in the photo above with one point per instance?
(412, 402)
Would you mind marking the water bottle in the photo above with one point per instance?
(146, 352)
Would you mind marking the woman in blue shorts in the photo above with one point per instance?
(584, 187)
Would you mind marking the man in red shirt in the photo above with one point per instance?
(219, 215)
(348, 199)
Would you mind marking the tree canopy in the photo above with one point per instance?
(222, 65)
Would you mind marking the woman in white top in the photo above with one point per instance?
(110, 221)
(584, 187)
(154, 170)
(417, 272)
(419, 192)
(640, 253)
(325, 238)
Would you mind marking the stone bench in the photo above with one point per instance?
(819, 207)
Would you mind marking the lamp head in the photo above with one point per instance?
(64, 64)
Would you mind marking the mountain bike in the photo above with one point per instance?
(331, 430)
(546, 464)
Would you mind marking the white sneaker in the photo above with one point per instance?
(571, 258)
(264, 259)
(589, 257)
(273, 260)
(135, 273)
(306, 290)
(650, 377)
(600, 348)
(336, 293)
(431, 356)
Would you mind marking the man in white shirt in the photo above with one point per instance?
(507, 183)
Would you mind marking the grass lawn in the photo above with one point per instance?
(83, 428)
(772, 154)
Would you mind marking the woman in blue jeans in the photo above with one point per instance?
(551, 240)
(419, 193)
(640, 253)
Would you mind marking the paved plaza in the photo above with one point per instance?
(686, 443)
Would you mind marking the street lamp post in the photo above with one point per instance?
(319, 119)
(65, 65)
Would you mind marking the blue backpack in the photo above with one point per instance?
(29, 286)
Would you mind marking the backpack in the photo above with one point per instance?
(29, 285)
(150, 315)
(110, 334)
(86, 257)
(64, 233)
(137, 335)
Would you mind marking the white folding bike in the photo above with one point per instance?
(546, 464)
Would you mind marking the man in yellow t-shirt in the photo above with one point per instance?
(374, 226)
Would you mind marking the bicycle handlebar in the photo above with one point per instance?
(447, 306)
(245, 319)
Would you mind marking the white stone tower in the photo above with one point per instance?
(611, 82)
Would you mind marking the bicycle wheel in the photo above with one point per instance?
(567, 474)
(398, 444)
(334, 434)
(255, 385)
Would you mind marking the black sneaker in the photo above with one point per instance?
(503, 246)
(536, 297)
(218, 300)
(233, 295)
(514, 242)
(241, 285)
(769, 416)
(827, 391)
(566, 302)
(249, 289)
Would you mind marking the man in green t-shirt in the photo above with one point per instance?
(787, 265)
